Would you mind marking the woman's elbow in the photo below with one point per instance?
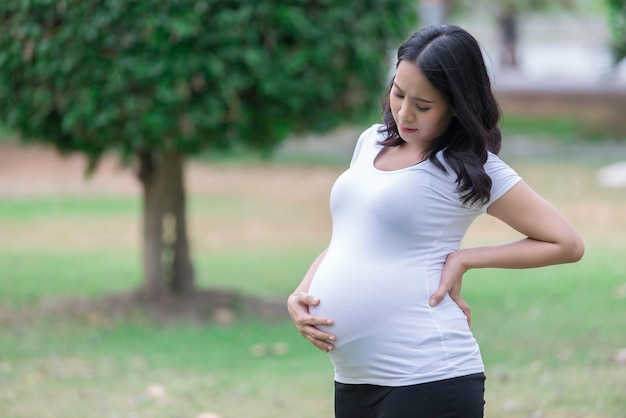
(576, 249)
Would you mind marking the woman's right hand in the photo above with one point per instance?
(298, 306)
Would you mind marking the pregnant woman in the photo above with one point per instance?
(384, 298)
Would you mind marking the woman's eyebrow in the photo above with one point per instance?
(414, 98)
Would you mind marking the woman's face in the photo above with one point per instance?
(419, 110)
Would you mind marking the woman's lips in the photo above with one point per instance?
(407, 130)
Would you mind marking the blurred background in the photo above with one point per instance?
(152, 228)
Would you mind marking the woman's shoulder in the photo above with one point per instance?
(366, 143)
(494, 166)
(503, 177)
(370, 137)
(492, 159)
(495, 163)
(373, 134)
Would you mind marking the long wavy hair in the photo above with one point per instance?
(452, 61)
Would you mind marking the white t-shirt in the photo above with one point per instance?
(392, 231)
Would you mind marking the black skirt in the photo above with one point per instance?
(459, 397)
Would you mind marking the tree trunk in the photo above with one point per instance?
(168, 271)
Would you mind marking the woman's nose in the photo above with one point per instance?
(405, 112)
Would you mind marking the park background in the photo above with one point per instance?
(553, 339)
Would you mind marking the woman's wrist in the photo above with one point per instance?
(464, 259)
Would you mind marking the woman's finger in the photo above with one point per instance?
(320, 343)
(460, 301)
(318, 338)
(440, 293)
(298, 306)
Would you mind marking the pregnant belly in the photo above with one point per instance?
(366, 300)
(385, 327)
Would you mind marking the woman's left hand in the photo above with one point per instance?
(451, 282)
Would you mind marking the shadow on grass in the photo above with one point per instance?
(203, 306)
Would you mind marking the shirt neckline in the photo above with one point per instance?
(379, 149)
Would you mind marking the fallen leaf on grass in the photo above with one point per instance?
(263, 350)
(619, 356)
(280, 349)
(208, 415)
(224, 316)
(156, 391)
(258, 350)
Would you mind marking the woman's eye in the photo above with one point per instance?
(400, 96)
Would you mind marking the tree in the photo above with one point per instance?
(617, 25)
(159, 80)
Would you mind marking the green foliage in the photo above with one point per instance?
(617, 24)
(190, 74)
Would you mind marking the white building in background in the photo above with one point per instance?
(432, 12)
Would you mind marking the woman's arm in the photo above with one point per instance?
(298, 305)
(550, 239)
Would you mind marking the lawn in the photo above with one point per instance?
(550, 337)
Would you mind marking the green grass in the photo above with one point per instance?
(570, 303)
(70, 207)
(563, 129)
(543, 328)
(28, 276)
(26, 209)
(570, 311)
(68, 370)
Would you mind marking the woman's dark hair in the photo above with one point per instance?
(452, 61)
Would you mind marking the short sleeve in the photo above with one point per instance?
(503, 178)
(363, 138)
